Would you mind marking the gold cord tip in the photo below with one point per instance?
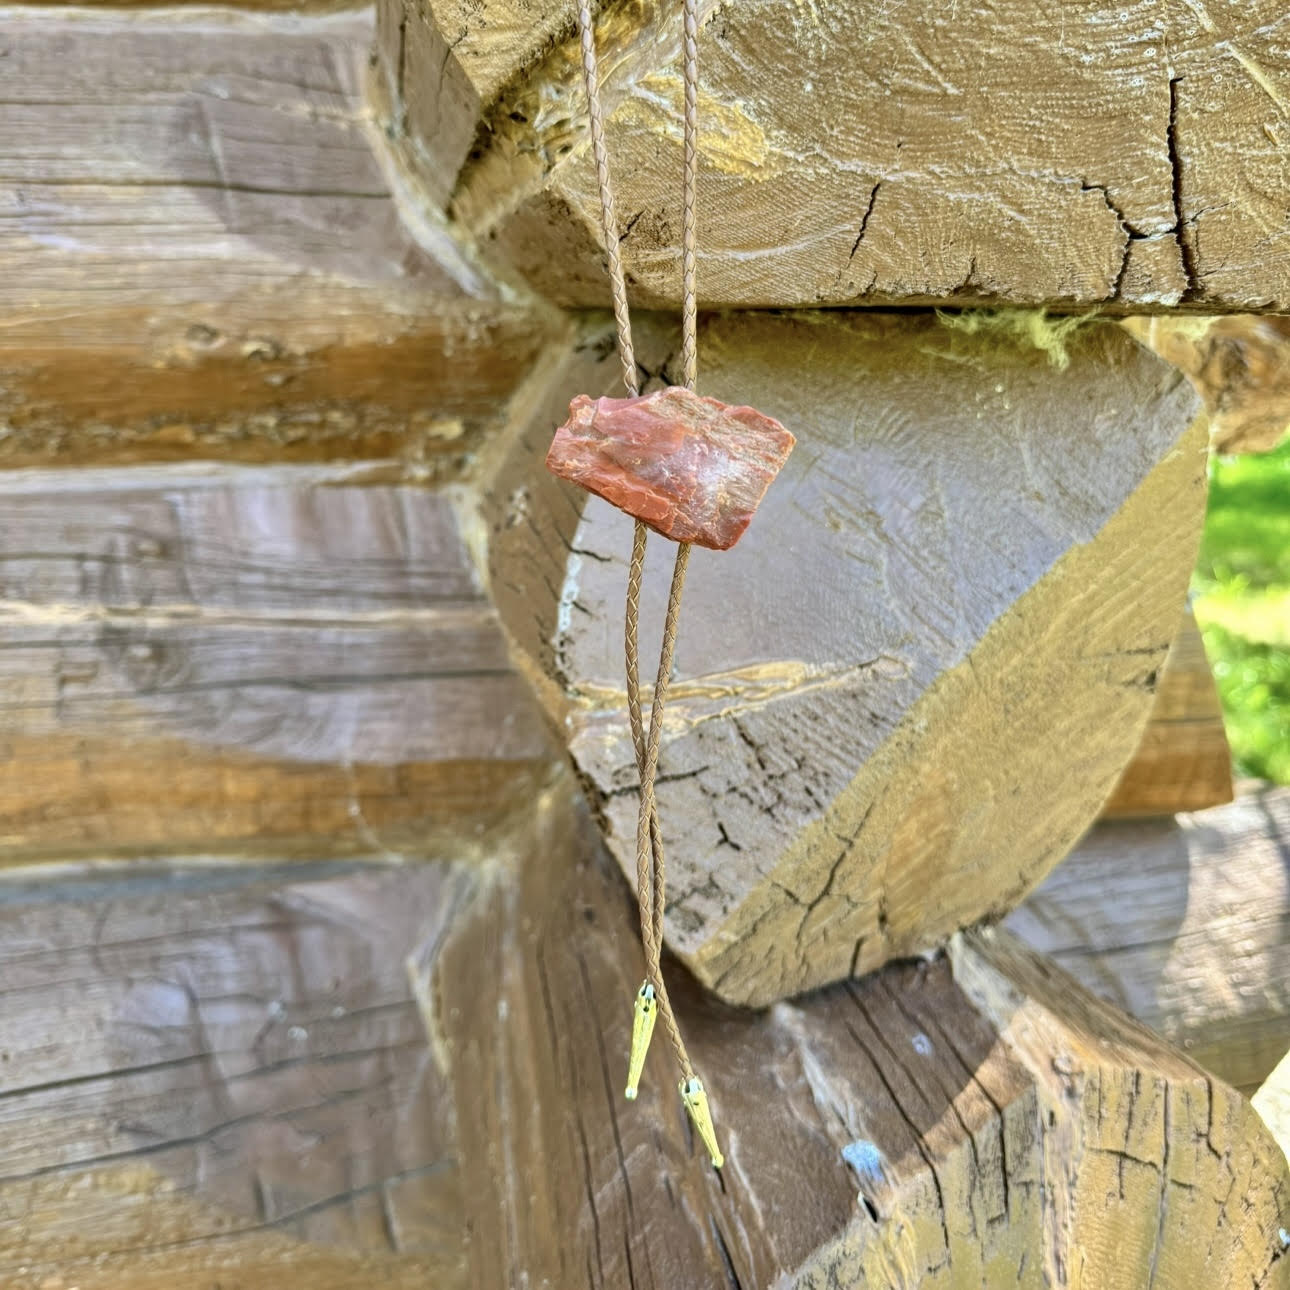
(696, 1102)
(644, 1014)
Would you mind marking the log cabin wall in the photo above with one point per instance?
(315, 796)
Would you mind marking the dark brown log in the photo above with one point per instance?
(203, 255)
(1185, 924)
(910, 688)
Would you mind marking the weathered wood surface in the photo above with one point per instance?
(248, 661)
(1240, 365)
(201, 255)
(1185, 924)
(980, 1122)
(911, 687)
(922, 153)
(221, 1078)
(1184, 762)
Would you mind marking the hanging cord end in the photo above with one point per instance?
(644, 1014)
(696, 1102)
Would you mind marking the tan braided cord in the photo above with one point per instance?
(650, 866)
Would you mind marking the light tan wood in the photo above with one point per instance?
(1128, 159)
(1184, 762)
(911, 687)
(203, 255)
(1183, 924)
(1240, 365)
(248, 661)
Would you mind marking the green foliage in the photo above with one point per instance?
(1242, 588)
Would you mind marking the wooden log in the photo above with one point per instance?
(1240, 365)
(1125, 159)
(1184, 762)
(218, 1076)
(232, 662)
(976, 1120)
(1183, 924)
(908, 691)
(203, 255)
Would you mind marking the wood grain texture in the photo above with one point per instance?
(1185, 924)
(221, 663)
(910, 688)
(201, 255)
(938, 1124)
(1128, 159)
(1184, 762)
(1240, 365)
(220, 1078)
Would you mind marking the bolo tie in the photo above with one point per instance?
(690, 468)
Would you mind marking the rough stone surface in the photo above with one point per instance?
(693, 469)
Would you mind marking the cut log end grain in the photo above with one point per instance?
(845, 161)
(1185, 924)
(1240, 365)
(437, 1036)
(1184, 762)
(975, 1115)
(911, 687)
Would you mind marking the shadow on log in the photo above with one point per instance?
(969, 1119)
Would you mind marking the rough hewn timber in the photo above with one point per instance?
(911, 687)
(1185, 924)
(1184, 762)
(920, 153)
(977, 1121)
(201, 255)
(1240, 365)
(244, 660)
(219, 1077)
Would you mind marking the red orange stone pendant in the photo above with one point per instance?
(694, 469)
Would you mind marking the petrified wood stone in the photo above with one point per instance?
(909, 689)
(693, 469)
